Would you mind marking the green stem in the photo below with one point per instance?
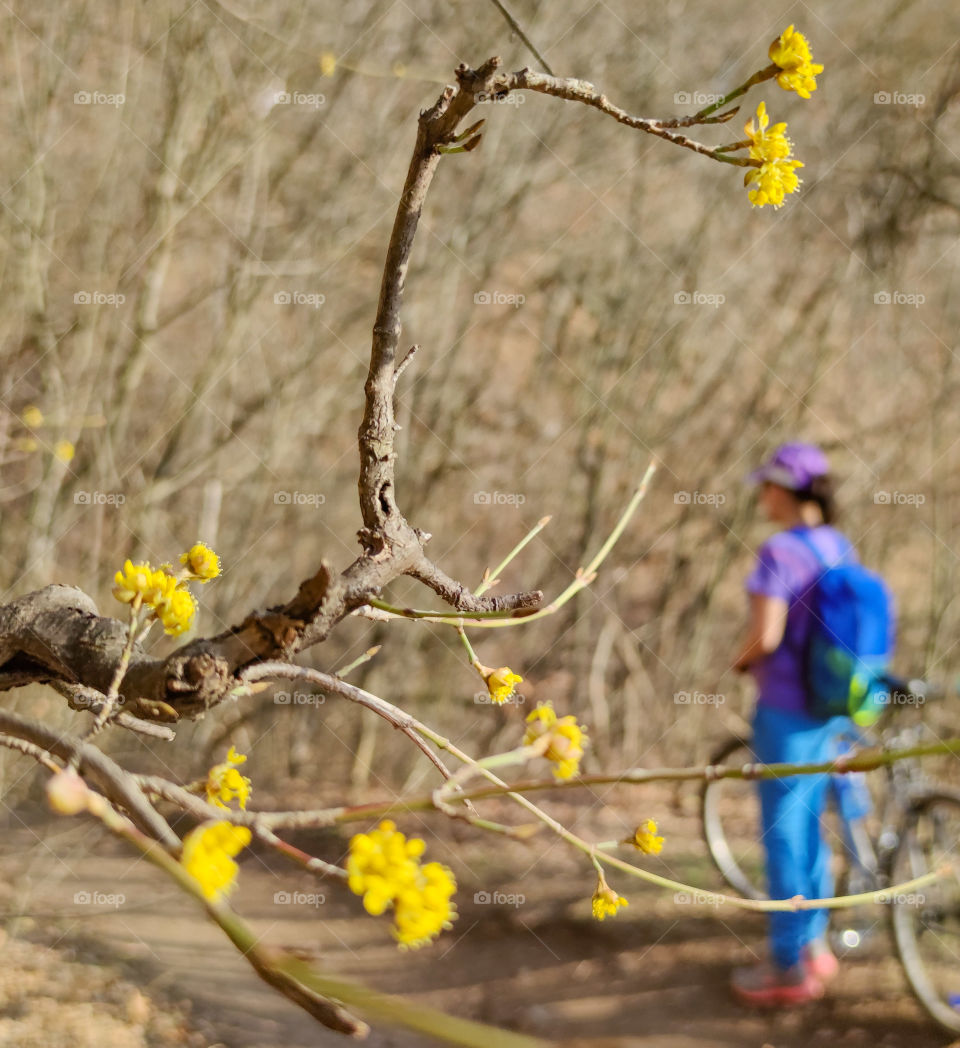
(110, 702)
(465, 640)
(492, 577)
(359, 661)
(758, 78)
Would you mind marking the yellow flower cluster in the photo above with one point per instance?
(224, 782)
(791, 53)
(384, 868)
(208, 853)
(565, 739)
(201, 562)
(606, 902)
(172, 603)
(775, 176)
(645, 838)
(500, 684)
(32, 417)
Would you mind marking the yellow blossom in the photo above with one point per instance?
(423, 911)
(224, 782)
(136, 580)
(64, 450)
(772, 181)
(764, 144)
(176, 611)
(606, 902)
(328, 63)
(25, 444)
(32, 417)
(201, 562)
(645, 838)
(791, 53)
(208, 856)
(500, 684)
(384, 868)
(565, 739)
(775, 177)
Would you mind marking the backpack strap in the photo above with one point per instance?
(825, 565)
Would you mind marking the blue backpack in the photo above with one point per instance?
(848, 650)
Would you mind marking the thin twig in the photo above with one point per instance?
(518, 29)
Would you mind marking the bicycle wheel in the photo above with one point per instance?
(731, 823)
(926, 922)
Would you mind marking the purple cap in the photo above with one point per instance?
(792, 466)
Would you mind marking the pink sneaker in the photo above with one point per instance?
(820, 961)
(767, 986)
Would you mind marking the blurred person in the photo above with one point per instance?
(796, 494)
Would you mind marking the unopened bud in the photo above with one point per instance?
(68, 793)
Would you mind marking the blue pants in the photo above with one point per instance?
(798, 858)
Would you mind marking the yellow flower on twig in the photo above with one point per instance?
(201, 562)
(208, 853)
(791, 53)
(64, 451)
(500, 684)
(224, 782)
(606, 902)
(135, 580)
(32, 417)
(164, 593)
(176, 611)
(384, 869)
(645, 838)
(775, 177)
(771, 144)
(560, 739)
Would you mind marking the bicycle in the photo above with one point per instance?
(908, 828)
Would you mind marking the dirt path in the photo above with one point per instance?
(653, 977)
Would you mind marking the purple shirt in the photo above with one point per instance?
(787, 568)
